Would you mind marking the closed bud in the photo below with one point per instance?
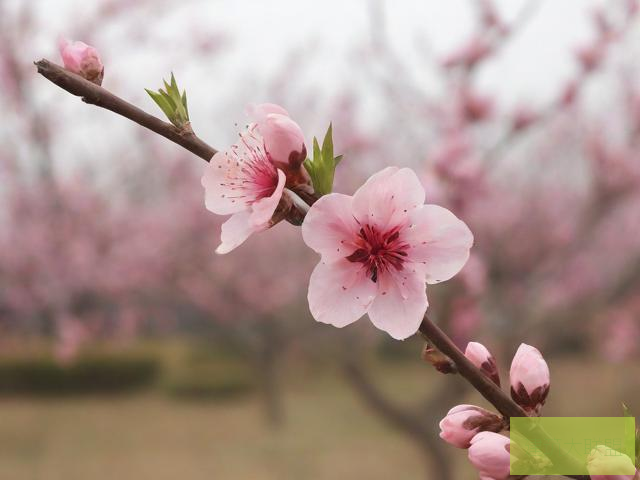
(82, 59)
(489, 454)
(530, 380)
(439, 360)
(604, 463)
(463, 422)
(482, 358)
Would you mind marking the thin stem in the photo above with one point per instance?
(101, 97)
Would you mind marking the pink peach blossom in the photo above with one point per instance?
(484, 360)
(489, 454)
(243, 182)
(82, 59)
(378, 249)
(463, 422)
(530, 380)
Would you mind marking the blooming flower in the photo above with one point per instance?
(463, 422)
(484, 360)
(489, 453)
(82, 59)
(530, 378)
(247, 181)
(378, 249)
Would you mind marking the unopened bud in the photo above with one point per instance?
(489, 454)
(82, 59)
(530, 379)
(604, 463)
(482, 358)
(463, 422)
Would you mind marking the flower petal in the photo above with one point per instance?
(263, 209)
(220, 198)
(400, 305)
(283, 139)
(339, 292)
(330, 228)
(387, 196)
(257, 112)
(438, 239)
(235, 231)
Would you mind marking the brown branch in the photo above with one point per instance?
(101, 97)
(489, 390)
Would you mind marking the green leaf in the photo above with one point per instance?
(321, 167)
(327, 144)
(162, 102)
(172, 102)
(337, 160)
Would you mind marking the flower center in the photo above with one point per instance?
(379, 251)
(250, 173)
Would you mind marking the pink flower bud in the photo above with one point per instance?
(489, 454)
(80, 58)
(604, 463)
(482, 358)
(530, 378)
(283, 138)
(463, 422)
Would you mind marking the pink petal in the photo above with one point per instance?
(263, 209)
(329, 228)
(398, 309)
(282, 138)
(219, 197)
(339, 292)
(387, 196)
(439, 239)
(257, 112)
(235, 231)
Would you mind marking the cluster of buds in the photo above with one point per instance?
(477, 429)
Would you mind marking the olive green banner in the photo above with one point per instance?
(573, 446)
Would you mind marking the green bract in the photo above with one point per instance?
(323, 165)
(172, 102)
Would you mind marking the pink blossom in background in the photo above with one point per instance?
(463, 422)
(247, 180)
(378, 249)
(621, 334)
(530, 379)
(489, 454)
(82, 59)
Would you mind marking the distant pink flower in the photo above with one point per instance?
(484, 360)
(463, 422)
(489, 454)
(530, 378)
(378, 249)
(80, 58)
